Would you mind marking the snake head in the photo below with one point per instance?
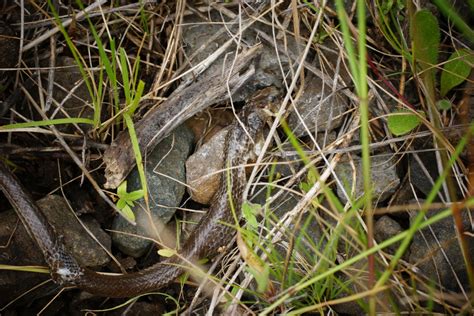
(265, 98)
(257, 112)
(261, 105)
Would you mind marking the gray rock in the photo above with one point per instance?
(165, 174)
(202, 168)
(318, 109)
(71, 92)
(436, 251)
(420, 175)
(82, 246)
(383, 176)
(20, 250)
(268, 69)
(288, 160)
(386, 228)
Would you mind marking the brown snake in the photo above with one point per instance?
(206, 239)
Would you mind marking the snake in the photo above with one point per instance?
(214, 231)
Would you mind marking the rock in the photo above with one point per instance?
(82, 246)
(9, 48)
(21, 250)
(288, 160)
(325, 139)
(318, 109)
(423, 172)
(203, 176)
(71, 92)
(268, 69)
(206, 124)
(386, 228)
(418, 176)
(383, 176)
(428, 245)
(165, 176)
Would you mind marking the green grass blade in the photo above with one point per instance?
(137, 152)
(61, 121)
(125, 75)
(450, 12)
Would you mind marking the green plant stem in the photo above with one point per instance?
(449, 11)
(138, 155)
(359, 74)
(67, 120)
(365, 140)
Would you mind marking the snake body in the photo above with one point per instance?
(207, 238)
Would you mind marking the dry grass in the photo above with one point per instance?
(304, 275)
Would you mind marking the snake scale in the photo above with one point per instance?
(205, 241)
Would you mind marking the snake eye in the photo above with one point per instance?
(272, 97)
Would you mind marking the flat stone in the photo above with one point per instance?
(288, 160)
(165, 174)
(319, 109)
(82, 246)
(437, 254)
(203, 176)
(269, 68)
(423, 177)
(383, 176)
(71, 92)
(386, 228)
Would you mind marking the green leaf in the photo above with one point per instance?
(134, 195)
(312, 177)
(122, 189)
(125, 202)
(305, 187)
(443, 104)
(125, 76)
(402, 122)
(137, 97)
(67, 120)
(121, 203)
(456, 70)
(249, 211)
(166, 252)
(128, 213)
(262, 277)
(425, 35)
